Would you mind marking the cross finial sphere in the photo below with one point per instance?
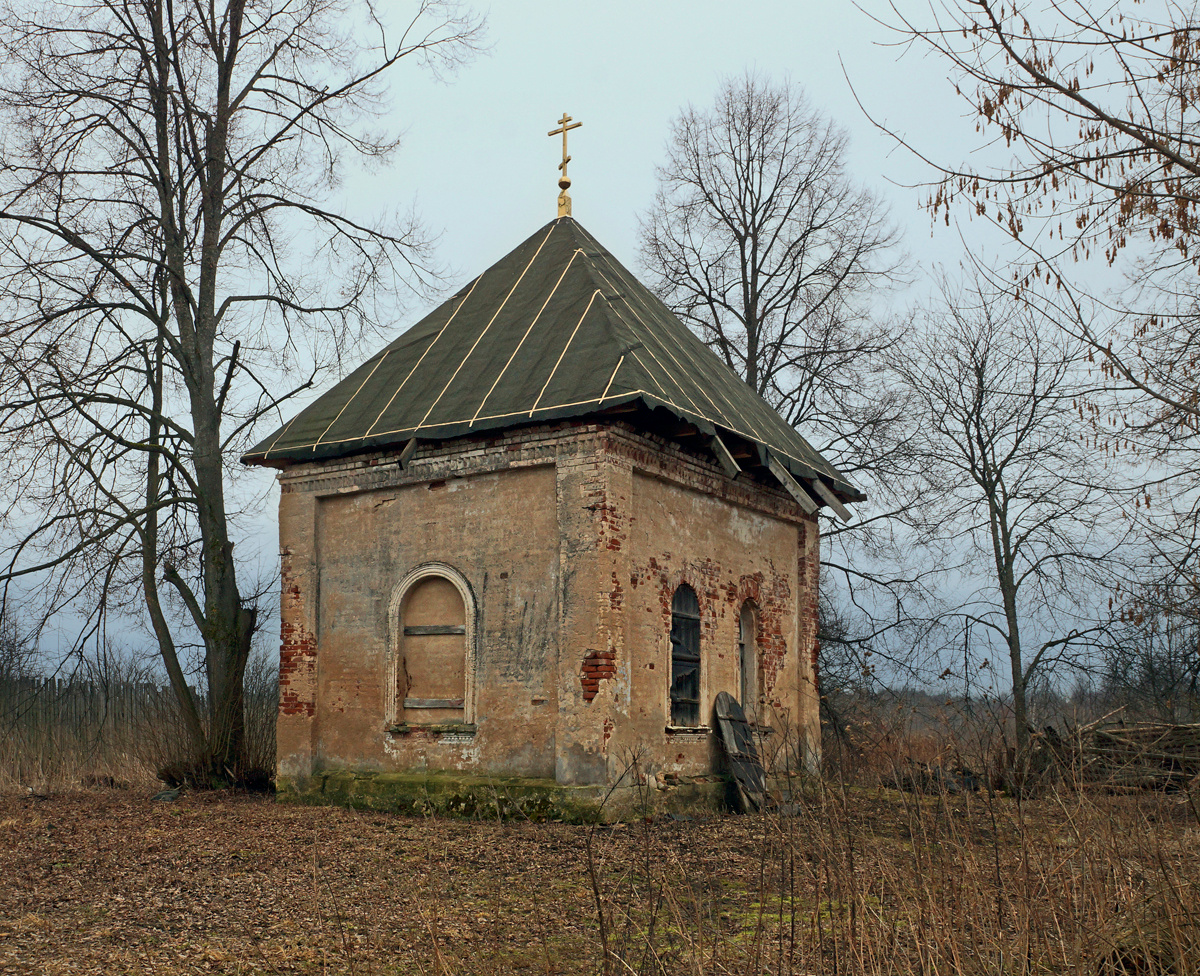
(566, 124)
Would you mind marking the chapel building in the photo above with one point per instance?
(535, 536)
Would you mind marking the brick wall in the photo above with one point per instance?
(573, 538)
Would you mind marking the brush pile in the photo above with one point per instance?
(1121, 757)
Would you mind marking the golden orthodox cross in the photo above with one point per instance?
(564, 181)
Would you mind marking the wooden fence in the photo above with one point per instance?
(81, 707)
(87, 708)
(69, 731)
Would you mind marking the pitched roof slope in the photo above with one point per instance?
(557, 328)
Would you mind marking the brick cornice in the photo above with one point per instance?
(528, 447)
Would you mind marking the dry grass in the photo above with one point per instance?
(861, 880)
(46, 760)
(100, 727)
(874, 881)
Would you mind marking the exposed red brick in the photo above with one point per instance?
(297, 648)
(597, 666)
(297, 668)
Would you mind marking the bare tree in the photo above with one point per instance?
(1093, 114)
(169, 276)
(762, 243)
(18, 656)
(1022, 509)
(1153, 662)
(1090, 160)
(1093, 124)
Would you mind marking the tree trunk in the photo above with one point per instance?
(1020, 715)
(992, 482)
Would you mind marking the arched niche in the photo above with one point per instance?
(750, 676)
(431, 648)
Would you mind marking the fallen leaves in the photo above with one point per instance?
(107, 882)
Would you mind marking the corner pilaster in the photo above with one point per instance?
(595, 496)
(809, 693)
(297, 719)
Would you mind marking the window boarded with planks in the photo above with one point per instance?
(432, 683)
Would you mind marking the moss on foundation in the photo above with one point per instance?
(492, 798)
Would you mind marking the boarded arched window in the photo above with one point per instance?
(685, 658)
(748, 673)
(432, 664)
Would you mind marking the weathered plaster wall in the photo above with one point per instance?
(573, 539)
(807, 719)
(594, 489)
(728, 555)
(661, 518)
(295, 729)
(498, 531)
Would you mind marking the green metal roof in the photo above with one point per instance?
(555, 329)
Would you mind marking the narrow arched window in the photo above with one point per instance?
(748, 680)
(431, 678)
(685, 658)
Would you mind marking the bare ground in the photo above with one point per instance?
(108, 881)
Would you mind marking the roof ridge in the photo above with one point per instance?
(635, 333)
(728, 376)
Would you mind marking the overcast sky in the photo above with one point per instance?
(481, 169)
